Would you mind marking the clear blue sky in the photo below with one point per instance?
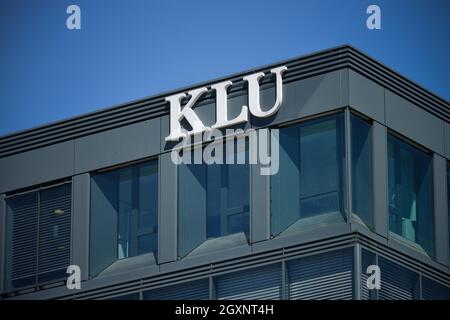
(132, 49)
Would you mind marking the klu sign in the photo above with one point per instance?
(178, 113)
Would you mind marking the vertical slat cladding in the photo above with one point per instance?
(397, 283)
(41, 227)
(254, 284)
(367, 259)
(432, 290)
(54, 229)
(24, 212)
(194, 290)
(364, 290)
(324, 276)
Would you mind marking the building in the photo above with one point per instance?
(363, 180)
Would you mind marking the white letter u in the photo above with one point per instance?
(253, 92)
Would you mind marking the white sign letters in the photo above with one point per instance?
(178, 113)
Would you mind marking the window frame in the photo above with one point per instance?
(7, 247)
(342, 189)
(153, 159)
(369, 121)
(228, 211)
(391, 234)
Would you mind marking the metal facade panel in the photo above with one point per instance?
(366, 96)
(260, 205)
(420, 126)
(193, 290)
(380, 181)
(395, 82)
(306, 97)
(447, 140)
(117, 146)
(168, 214)
(441, 226)
(36, 167)
(2, 241)
(253, 284)
(324, 276)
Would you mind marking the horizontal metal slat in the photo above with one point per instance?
(259, 283)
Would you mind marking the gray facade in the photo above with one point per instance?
(322, 262)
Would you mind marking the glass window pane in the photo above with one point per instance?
(309, 181)
(213, 201)
(148, 205)
(124, 214)
(54, 232)
(362, 169)
(191, 206)
(22, 238)
(38, 236)
(410, 193)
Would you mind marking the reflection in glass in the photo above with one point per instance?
(307, 190)
(361, 169)
(213, 201)
(124, 214)
(410, 193)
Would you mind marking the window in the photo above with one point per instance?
(38, 236)
(124, 214)
(361, 169)
(410, 193)
(308, 188)
(213, 201)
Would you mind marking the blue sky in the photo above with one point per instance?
(127, 50)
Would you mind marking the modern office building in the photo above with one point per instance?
(363, 179)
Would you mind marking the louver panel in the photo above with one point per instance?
(194, 290)
(365, 293)
(324, 276)
(367, 259)
(38, 236)
(23, 210)
(432, 290)
(397, 283)
(254, 284)
(54, 232)
(131, 296)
